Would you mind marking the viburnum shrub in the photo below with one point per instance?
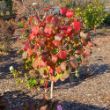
(54, 45)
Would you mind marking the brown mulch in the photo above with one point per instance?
(89, 92)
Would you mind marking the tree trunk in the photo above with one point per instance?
(51, 90)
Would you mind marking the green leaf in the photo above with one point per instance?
(64, 75)
(20, 25)
(60, 61)
(79, 59)
(58, 76)
(32, 82)
(55, 51)
(41, 81)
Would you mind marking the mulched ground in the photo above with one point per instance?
(90, 92)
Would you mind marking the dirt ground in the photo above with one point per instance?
(90, 92)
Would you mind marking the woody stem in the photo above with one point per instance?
(51, 90)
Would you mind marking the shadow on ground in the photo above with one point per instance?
(80, 106)
(85, 72)
(4, 70)
(17, 100)
(8, 60)
(90, 71)
(93, 70)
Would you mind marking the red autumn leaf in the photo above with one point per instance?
(51, 71)
(63, 11)
(31, 36)
(48, 31)
(41, 42)
(76, 25)
(30, 19)
(29, 52)
(47, 8)
(86, 53)
(63, 27)
(56, 43)
(26, 46)
(42, 24)
(69, 29)
(35, 30)
(69, 13)
(54, 20)
(35, 48)
(39, 63)
(48, 18)
(54, 58)
(58, 69)
(90, 44)
(62, 54)
(51, 19)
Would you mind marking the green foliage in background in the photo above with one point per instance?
(93, 14)
(107, 19)
(6, 7)
(9, 5)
